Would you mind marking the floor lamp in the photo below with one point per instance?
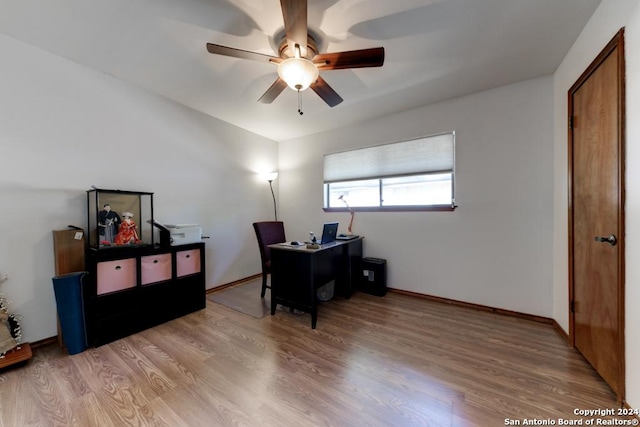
(270, 177)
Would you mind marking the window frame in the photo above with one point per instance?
(397, 208)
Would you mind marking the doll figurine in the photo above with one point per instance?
(108, 222)
(127, 234)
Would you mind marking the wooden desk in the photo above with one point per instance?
(297, 273)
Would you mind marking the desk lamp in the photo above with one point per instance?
(349, 231)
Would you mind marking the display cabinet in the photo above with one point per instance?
(119, 219)
(135, 288)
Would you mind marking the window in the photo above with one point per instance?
(417, 174)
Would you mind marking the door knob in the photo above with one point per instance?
(610, 240)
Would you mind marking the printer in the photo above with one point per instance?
(179, 234)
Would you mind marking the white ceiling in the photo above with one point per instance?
(435, 50)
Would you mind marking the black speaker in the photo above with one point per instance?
(374, 276)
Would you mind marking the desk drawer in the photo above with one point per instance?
(155, 268)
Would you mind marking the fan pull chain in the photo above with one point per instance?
(299, 103)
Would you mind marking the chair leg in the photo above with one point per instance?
(264, 285)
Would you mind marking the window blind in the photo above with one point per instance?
(417, 156)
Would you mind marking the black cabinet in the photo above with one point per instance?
(132, 289)
(374, 276)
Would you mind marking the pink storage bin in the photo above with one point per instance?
(116, 275)
(187, 262)
(155, 268)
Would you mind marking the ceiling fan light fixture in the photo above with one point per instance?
(298, 73)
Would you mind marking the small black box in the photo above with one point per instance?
(374, 276)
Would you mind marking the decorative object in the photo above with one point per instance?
(108, 223)
(11, 348)
(109, 227)
(270, 177)
(350, 227)
(313, 241)
(127, 234)
(10, 331)
(7, 341)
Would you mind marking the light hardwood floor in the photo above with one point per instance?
(391, 361)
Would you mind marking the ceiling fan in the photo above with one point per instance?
(299, 62)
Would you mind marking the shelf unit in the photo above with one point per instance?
(132, 289)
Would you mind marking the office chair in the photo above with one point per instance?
(268, 233)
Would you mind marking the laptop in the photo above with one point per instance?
(329, 232)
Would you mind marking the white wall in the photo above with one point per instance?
(64, 128)
(494, 248)
(604, 24)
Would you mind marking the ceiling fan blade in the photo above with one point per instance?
(272, 93)
(239, 53)
(326, 92)
(373, 57)
(294, 13)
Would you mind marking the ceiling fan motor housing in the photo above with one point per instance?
(312, 49)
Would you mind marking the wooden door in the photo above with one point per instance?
(596, 141)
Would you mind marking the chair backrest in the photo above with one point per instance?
(268, 233)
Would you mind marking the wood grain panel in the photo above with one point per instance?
(68, 251)
(397, 360)
(597, 211)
